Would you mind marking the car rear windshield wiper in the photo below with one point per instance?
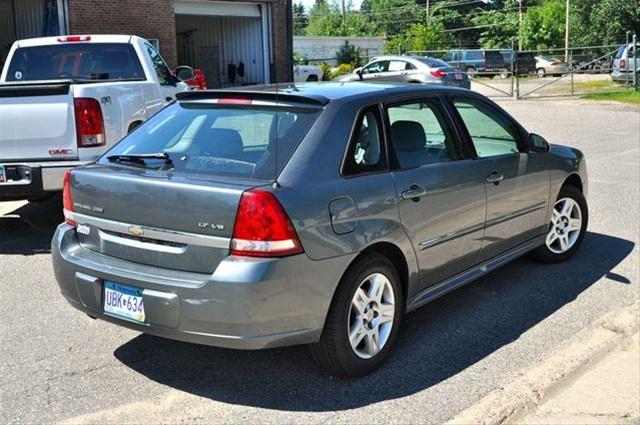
(141, 158)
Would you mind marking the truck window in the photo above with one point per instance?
(165, 76)
(76, 61)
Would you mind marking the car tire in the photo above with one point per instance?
(541, 72)
(335, 352)
(563, 239)
(505, 73)
(312, 78)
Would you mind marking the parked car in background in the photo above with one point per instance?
(525, 63)
(487, 63)
(198, 82)
(318, 214)
(546, 65)
(410, 69)
(623, 64)
(303, 73)
(65, 100)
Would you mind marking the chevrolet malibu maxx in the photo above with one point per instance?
(312, 214)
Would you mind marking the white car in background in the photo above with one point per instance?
(65, 100)
(302, 73)
(624, 64)
(546, 65)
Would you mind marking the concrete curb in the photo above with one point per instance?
(534, 384)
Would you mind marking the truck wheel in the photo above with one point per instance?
(364, 319)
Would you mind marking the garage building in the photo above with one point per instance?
(233, 42)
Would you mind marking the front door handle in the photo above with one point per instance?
(168, 98)
(414, 192)
(495, 177)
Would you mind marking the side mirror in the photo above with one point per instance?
(184, 73)
(359, 72)
(537, 143)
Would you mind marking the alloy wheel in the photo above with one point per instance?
(371, 315)
(566, 224)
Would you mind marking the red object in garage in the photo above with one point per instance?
(198, 82)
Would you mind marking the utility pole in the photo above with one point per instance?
(519, 24)
(344, 11)
(566, 35)
(426, 19)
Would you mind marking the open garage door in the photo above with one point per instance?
(229, 42)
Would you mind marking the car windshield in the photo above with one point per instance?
(433, 62)
(246, 141)
(76, 61)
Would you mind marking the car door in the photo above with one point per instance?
(516, 181)
(396, 71)
(441, 195)
(375, 70)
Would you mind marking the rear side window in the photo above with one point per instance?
(76, 61)
(420, 135)
(474, 55)
(433, 62)
(366, 148)
(252, 142)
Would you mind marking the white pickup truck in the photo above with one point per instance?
(65, 100)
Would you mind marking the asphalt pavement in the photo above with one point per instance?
(57, 364)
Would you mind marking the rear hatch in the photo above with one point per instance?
(37, 122)
(178, 210)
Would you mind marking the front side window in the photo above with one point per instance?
(376, 67)
(252, 142)
(366, 150)
(420, 135)
(76, 61)
(165, 76)
(491, 133)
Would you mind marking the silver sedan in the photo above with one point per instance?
(409, 69)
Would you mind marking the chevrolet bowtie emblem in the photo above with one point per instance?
(136, 230)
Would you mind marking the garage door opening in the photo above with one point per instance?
(231, 50)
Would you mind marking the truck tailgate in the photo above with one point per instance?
(37, 122)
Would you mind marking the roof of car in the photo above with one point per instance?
(322, 92)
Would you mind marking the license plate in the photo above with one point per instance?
(458, 75)
(3, 174)
(123, 301)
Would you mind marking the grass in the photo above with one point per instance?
(629, 96)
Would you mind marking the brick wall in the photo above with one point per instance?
(155, 19)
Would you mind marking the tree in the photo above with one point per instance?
(543, 26)
(419, 38)
(597, 22)
(300, 20)
(365, 6)
(497, 28)
(348, 54)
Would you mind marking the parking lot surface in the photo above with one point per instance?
(56, 364)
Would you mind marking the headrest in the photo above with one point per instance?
(225, 143)
(408, 136)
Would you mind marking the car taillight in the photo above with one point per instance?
(262, 227)
(89, 123)
(555, 63)
(438, 73)
(67, 204)
(623, 63)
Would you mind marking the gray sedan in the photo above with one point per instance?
(410, 69)
(317, 214)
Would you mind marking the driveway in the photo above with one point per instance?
(57, 364)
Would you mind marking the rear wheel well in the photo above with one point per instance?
(397, 258)
(133, 126)
(573, 180)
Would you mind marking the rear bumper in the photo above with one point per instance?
(622, 76)
(34, 180)
(244, 304)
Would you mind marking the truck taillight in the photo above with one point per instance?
(89, 123)
(262, 227)
(74, 38)
(67, 203)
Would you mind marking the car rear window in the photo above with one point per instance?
(76, 61)
(433, 62)
(247, 141)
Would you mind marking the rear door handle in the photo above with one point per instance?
(414, 192)
(495, 177)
